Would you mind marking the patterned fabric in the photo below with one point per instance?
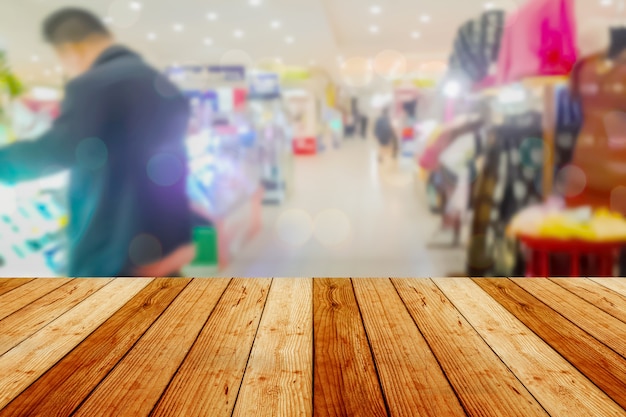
(477, 46)
(511, 180)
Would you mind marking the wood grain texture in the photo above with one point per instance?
(615, 284)
(278, 381)
(345, 379)
(26, 321)
(25, 294)
(60, 391)
(411, 378)
(598, 295)
(137, 382)
(9, 284)
(208, 380)
(26, 362)
(556, 383)
(484, 384)
(604, 327)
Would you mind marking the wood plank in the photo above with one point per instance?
(60, 391)
(604, 327)
(506, 316)
(27, 293)
(411, 378)
(209, 379)
(616, 284)
(137, 382)
(9, 284)
(598, 295)
(345, 379)
(28, 320)
(278, 381)
(484, 384)
(26, 362)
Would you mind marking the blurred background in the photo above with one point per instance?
(288, 168)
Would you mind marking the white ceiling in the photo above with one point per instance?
(322, 30)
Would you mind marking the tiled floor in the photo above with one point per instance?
(348, 216)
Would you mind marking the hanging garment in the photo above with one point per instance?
(477, 46)
(510, 180)
(539, 39)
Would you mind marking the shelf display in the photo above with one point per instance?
(225, 168)
(33, 215)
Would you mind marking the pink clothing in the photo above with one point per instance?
(539, 39)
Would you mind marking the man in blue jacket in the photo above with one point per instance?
(121, 134)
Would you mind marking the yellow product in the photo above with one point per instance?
(557, 226)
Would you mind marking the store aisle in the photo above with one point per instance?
(347, 216)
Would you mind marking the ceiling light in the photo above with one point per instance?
(135, 5)
(276, 24)
(211, 16)
(289, 39)
(255, 2)
(208, 41)
(415, 35)
(606, 3)
(107, 20)
(151, 36)
(375, 10)
(34, 58)
(489, 6)
(452, 89)
(238, 34)
(374, 29)
(178, 27)
(425, 18)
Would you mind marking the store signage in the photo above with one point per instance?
(227, 73)
(265, 86)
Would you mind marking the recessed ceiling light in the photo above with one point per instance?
(151, 36)
(374, 29)
(135, 5)
(255, 2)
(606, 3)
(238, 34)
(208, 41)
(489, 5)
(107, 20)
(290, 39)
(178, 27)
(34, 58)
(425, 18)
(375, 10)
(211, 16)
(276, 24)
(415, 35)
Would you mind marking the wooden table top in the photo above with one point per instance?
(303, 347)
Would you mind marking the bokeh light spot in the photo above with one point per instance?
(165, 169)
(145, 249)
(294, 227)
(390, 64)
(92, 154)
(332, 227)
(571, 181)
(618, 199)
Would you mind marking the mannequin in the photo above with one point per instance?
(600, 83)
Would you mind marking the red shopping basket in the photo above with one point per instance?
(573, 258)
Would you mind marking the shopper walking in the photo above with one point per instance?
(386, 136)
(120, 134)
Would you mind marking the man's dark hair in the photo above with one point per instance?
(72, 25)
